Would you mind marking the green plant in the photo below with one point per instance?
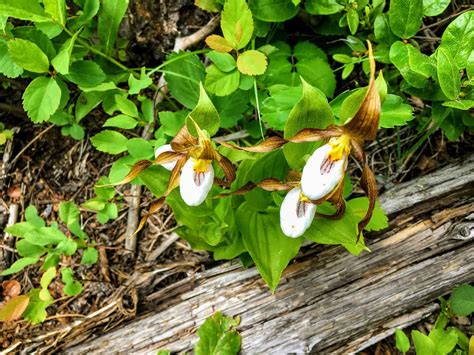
(5, 134)
(443, 338)
(44, 247)
(217, 335)
(259, 83)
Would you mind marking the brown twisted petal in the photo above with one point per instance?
(266, 184)
(155, 206)
(369, 185)
(266, 146)
(315, 134)
(227, 167)
(137, 168)
(293, 176)
(335, 197)
(183, 140)
(175, 174)
(365, 123)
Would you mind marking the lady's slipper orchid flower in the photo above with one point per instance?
(296, 213)
(192, 168)
(324, 170)
(196, 181)
(323, 175)
(162, 149)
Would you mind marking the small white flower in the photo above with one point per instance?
(162, 149)
(321, 174)
(197, 177)
(296, 215)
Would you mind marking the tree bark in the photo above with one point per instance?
(328, 300)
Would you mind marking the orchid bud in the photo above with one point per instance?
(296, 213)
(162, 149)
(196, 181)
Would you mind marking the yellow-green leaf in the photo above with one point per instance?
(28, 55)
(252, 62)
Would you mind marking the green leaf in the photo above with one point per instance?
(223, 61)
(57, 10)
(28, 55)
(31, 216)
(401, 341)
(109, 212)
(444, 341)
(48, 276)
(341, 231)
(24, 10)
(183, 73)
(86, 102)
(43, 236)
(86, 73)
(252, 62)
(353, 20)
(171, 122)
(209, 5)
(126, 106)
(71, 287)
(155, 179)
(89, 256)
(273, 10)
(434, 7)
(460, 104)
(448, 74)
(41, 98)
(221, 83)
(110, 142)
(423, 344)
(382, 29)
(110, 17)
(458, 38)
(37, 37)
(216, 336)
(405, 17)
(462, 300)
(97, 203)
(323, 7)
(237, 23)
(62, 60)
(69, 212)
(7, 65)
(89, 10)
(267, 245)
(19, 229)
(313, 67)
(311, 111)
(36, 310)
(67, 247)
(104, 192)
(414, 66)
(140, 148)
(395, 112)
(26, 249)
(121, 121)
(19, 265)
(276, 108)
(232, 107)
(204, 114)
(359, 207)
(136, 85)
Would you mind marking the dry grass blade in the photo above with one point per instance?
(155, 206)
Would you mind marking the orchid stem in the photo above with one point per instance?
(258, 107)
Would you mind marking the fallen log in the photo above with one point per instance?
(328, 300)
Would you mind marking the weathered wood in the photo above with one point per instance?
(328, 300)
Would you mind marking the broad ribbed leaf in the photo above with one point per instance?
(448, 74)
(405, 17)
(458, 38)
(110, 17)
(204, 114)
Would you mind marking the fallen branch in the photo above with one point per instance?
(328, 300)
